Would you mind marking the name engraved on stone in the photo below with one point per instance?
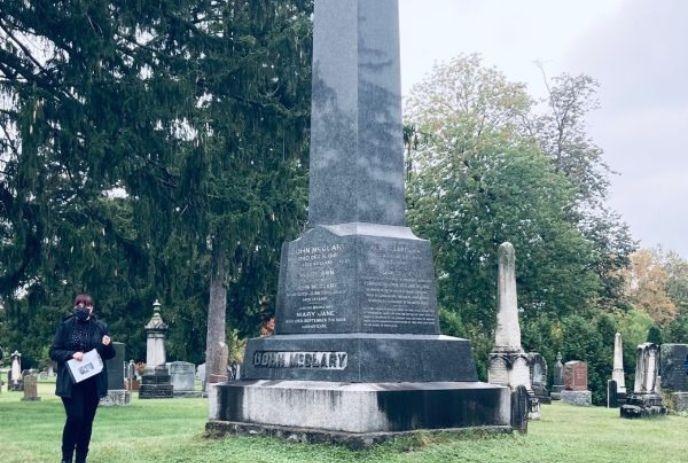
(312, 360)
(395, 293)
(314, 287)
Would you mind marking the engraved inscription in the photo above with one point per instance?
(312, 360)
(396, 293)
(313, 289)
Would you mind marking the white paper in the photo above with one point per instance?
(89, 366)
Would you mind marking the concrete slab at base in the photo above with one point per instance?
(360, 407)
(578, 398)
(117, 398)
(355, 441)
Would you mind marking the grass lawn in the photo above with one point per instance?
(171, 431)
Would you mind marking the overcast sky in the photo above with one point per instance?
(636, 49)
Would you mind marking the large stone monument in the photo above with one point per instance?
(117, 394)
(357, 352)
(618, 371)
(576, 384)
(15, 379)
(674, 370)
(183, 378)
(645, 400)
(509, 364)
(155, 381)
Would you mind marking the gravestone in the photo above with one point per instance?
(674, 370)
(520, 409)
(576, 384)
(613, 399)
(117, 394)
(645, 401)
(558, 378)
(357, 348)
(538, 377)
(509, 364)
(15, 380)
(618, 370)
(183, 379)
(155, 381)
(201, 375)
(30, 384)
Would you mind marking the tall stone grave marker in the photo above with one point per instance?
(558, 378)
(509, 364)
(356, 305)
(155, 381)
(645, 401)
(576, 384)
(117, 394)
(183, 378)
(674, 370)
(618, 371)
(15, 380)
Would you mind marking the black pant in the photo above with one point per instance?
(81, 410)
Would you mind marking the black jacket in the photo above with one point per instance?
(60, 353)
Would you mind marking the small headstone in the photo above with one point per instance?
(558, 378)
(31, 388)
(118, 394)
(576, 376)
(576, 384)
(618, 371)
(520, 407)
(183, 378)
(612, 394)
(538, 377)
(645, 401)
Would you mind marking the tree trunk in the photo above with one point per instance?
(216, 348)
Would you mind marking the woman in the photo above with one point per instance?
(76, 335)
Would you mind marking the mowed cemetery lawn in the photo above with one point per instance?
(172, 431)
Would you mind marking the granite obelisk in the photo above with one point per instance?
(357, 347)
(618, 371)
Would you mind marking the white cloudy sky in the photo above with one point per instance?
(636, 49)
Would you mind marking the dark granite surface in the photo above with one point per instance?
(115, 367)
(359, 358)
(674, 367)
(357, 168)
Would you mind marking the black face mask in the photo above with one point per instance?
(81, 313)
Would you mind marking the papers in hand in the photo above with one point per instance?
(89, 366)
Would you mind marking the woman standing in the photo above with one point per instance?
(76, 335)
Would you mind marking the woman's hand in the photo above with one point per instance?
(106, 340)
(78, 356)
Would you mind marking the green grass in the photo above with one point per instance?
(172, 431)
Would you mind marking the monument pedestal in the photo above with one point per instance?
(155, 384)
(355, 413)
(643, 406)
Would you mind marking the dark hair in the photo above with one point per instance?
(84, 299)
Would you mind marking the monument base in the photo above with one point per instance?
(643, 406)
(155, 384)
(117, 398)
(30, 399)
(557, 389)
(354, 441)
(578, 398)
(363, 410)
